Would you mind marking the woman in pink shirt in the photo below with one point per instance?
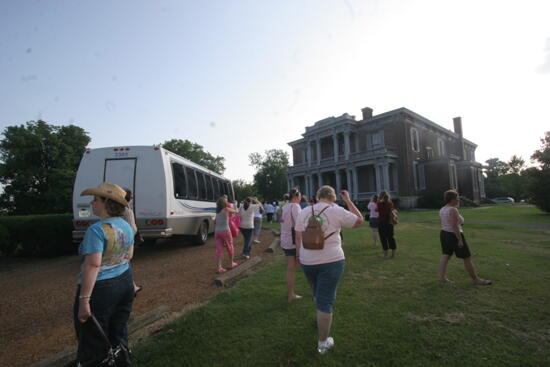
(453, 240)
(288, 242)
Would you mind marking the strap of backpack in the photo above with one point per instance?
(325, 208)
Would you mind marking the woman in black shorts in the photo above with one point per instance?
(453, 241)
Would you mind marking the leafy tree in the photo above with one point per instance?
(542, 156)
(539, 178)
(516, 165)
(244, 189)
(495, 167)
(195, 153)
(270, 178)
(39, 163)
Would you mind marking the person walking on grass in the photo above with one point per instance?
(131, 219)
(105, 284)
(269, 210)
(324, 267)
(385, 224)
(222, 234)
(246, 212)
(373, 218)
(452, 239)
(257, 224)
(288, 239)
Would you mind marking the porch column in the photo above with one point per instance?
(348, 179)
(378, 177)
(346, 145)
(320, 176)
(318, 141)
(355, 184)
(338, 182)
(335, 146)
(308, 153)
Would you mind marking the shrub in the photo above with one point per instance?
(37, 235)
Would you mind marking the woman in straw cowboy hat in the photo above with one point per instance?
(105, 285)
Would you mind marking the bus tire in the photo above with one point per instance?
(202, 234)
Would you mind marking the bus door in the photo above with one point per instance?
(121, 172)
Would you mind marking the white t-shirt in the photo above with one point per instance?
(247, 216)
(445, 218)
(373, 208)
(332, 219)
(290, 214)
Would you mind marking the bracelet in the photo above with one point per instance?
(83, 297)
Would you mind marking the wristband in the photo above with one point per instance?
(84, 297)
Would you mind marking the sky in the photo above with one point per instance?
(246, 76)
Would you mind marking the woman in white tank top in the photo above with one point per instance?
(453, 240)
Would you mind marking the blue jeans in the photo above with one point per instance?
(111, 304)
(247, 234)
(324, 279)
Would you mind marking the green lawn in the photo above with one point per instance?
(520, 213)
(388, 312)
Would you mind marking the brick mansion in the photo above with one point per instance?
(398, 151)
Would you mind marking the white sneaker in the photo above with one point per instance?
(323, 347)
(256, 241)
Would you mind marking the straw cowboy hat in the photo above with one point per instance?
(109, 191)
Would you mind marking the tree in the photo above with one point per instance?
(495, 167)
(244, 189)
(195, 153)
(39, 163)
(270, 178)
(516, 165)
(539, 178)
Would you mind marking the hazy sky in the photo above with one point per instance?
(245, 76)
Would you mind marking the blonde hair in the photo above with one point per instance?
(326, 192)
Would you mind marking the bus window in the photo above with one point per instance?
(226, 189)
(192, 182)
(202, 186)
(222, 187)
(180, 184)
(216, 188)
(209, 188)
(230, 190)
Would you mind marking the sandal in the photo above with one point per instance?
(221, 271)
(138, 289)
(483, 282)
(233, 266)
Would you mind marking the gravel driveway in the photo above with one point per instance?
(37, 295)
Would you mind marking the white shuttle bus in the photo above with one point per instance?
(172, 195)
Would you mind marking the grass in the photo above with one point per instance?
(519, 213)
(387, 313)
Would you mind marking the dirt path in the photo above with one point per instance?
(37, 297)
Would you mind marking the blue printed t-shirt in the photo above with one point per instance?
(113, 237)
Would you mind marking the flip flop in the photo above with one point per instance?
(138, 289)
(233, 266)
(221, 271)
(484, 282)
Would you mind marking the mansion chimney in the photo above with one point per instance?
(458, 125)
(457, 121)
(367, 113)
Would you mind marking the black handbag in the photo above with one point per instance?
(118, 356)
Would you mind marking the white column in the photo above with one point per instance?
(346, 144)
(378, 177)
(348, 178)
(308, 153)
(386, 170)
(318, 141)
(338, 183)
(335, 147)
(320, 176)
(355, 184)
